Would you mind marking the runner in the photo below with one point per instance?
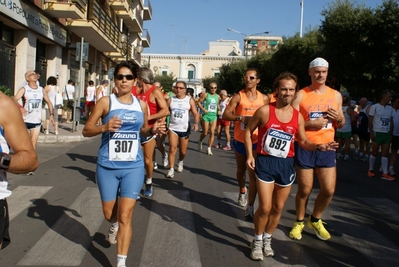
(224, 101)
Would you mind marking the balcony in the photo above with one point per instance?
(145, 38)
(147, 10)
(73, 9)
(99, 29)
(123, 5)
(131, 18)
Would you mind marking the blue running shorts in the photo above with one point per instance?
(122, 182)
(240, 147)
(306, 159)
(271, 169)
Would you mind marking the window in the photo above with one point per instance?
(190, 74)
(164, 73)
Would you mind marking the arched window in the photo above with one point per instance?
(190, 71)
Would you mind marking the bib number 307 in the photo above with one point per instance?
(123, 146)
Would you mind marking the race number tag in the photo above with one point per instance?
(319, 114)
(178, 114)
(277, 143)
(212, 107)
(33, 105)
(384, 123)
(123, 146)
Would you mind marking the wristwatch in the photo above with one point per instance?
(238, 118)
(5, 161)
(339, 121)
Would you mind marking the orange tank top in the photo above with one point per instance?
(246, 108)
(314, 106)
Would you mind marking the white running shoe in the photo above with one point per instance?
(199, 146)
(242, 199)
(391, 172)
(249, 211)
(267, 247)
(112, 233)
(165, 160)
(171, 173)
(209, 152)
(180, 166)
(256, 250)
(155, 165)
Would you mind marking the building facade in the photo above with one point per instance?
(47, 35)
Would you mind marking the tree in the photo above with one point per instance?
(166, 81)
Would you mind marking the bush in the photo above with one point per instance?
(5, 90)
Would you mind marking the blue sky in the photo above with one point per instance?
(186, 26)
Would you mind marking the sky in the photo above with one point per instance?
(187, 26)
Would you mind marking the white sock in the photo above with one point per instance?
(148, 181)
(115, 225)
(266, 235)
(371, 162)
(121, 260)
(391, 167)
(384, 164)
(228, 143)
(258, 237)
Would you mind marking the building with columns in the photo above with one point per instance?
(44, 35)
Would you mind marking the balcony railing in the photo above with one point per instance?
(75, 9)
(147, 10)
(146, 38)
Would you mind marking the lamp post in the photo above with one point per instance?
(124, 44)
(245, 39)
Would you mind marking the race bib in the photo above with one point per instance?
(178, 114)
(319, 114)
(33, 105)
(212, 107)
(277, 143)
(123, 146)
(384, 123)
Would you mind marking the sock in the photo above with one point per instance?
(148, 181)
(115, 225)
(258, 237)
(266, 235)
(371, 162)
(391, 167)
(384, 164)
(121, 260)
(313, 219)
(243, 192)
(299, 220)
(228, 143)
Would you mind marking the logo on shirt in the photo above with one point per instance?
(280, 134)
(124, 136)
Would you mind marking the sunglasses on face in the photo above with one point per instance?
(214, 88)
(180, 88)
(128, 77)
(250, 77)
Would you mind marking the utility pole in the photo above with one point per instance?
(301, 26)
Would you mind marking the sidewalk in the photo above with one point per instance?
(65, 134)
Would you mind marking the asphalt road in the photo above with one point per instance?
(191, 220)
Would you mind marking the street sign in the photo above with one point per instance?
(85, 52)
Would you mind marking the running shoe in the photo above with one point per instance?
(242, 199)
(267, 247)
(249, 211)
(371, 173)
(165, 160)
(386, 176)
(180, 166)
(319, 229)
(46, 132)
(155, 165)
(296, 231)
(209, 152)
(347, 158)
(391, 172)
(171, 173)
(112, 233)
(218, 145)
(256, 250)
(365, 158)
(227, 148)
(148, 190)
(380, 169)
(30, 173)
(199, 146)
(339, 156)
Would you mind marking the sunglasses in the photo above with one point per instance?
(128, 77)
(214, 88)
(180, 88)
(250, 77)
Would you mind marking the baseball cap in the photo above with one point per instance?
(105, 82)
(318, 62)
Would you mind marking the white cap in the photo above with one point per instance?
(174, 84)
(318, 62)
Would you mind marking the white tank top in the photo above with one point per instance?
(4, 192)
(33, 104)
(223, 105)
(179, 113)
(347, 126)
(91, 94)
(52, 94)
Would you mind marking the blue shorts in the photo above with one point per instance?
(240, 147)
(122, 182)
(147, 139)
(280, 171)
(306, 159)
(184, 135)
(32, 125)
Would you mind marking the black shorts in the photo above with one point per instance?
(395, 142)
(4, 224)
(280, 171)
(184, 135)
(364, 136)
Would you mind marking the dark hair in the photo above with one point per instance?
(185, 85)
(126, 64)
(146, 74)
(91, 82)
(254, 69)
(395, 97)
(51, 80)
(70, 81)
(346, 99)
(385, 92)
(285, 76)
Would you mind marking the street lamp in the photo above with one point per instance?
(245, 39)
(124, 44)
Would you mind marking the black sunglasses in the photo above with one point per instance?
(128, 77)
